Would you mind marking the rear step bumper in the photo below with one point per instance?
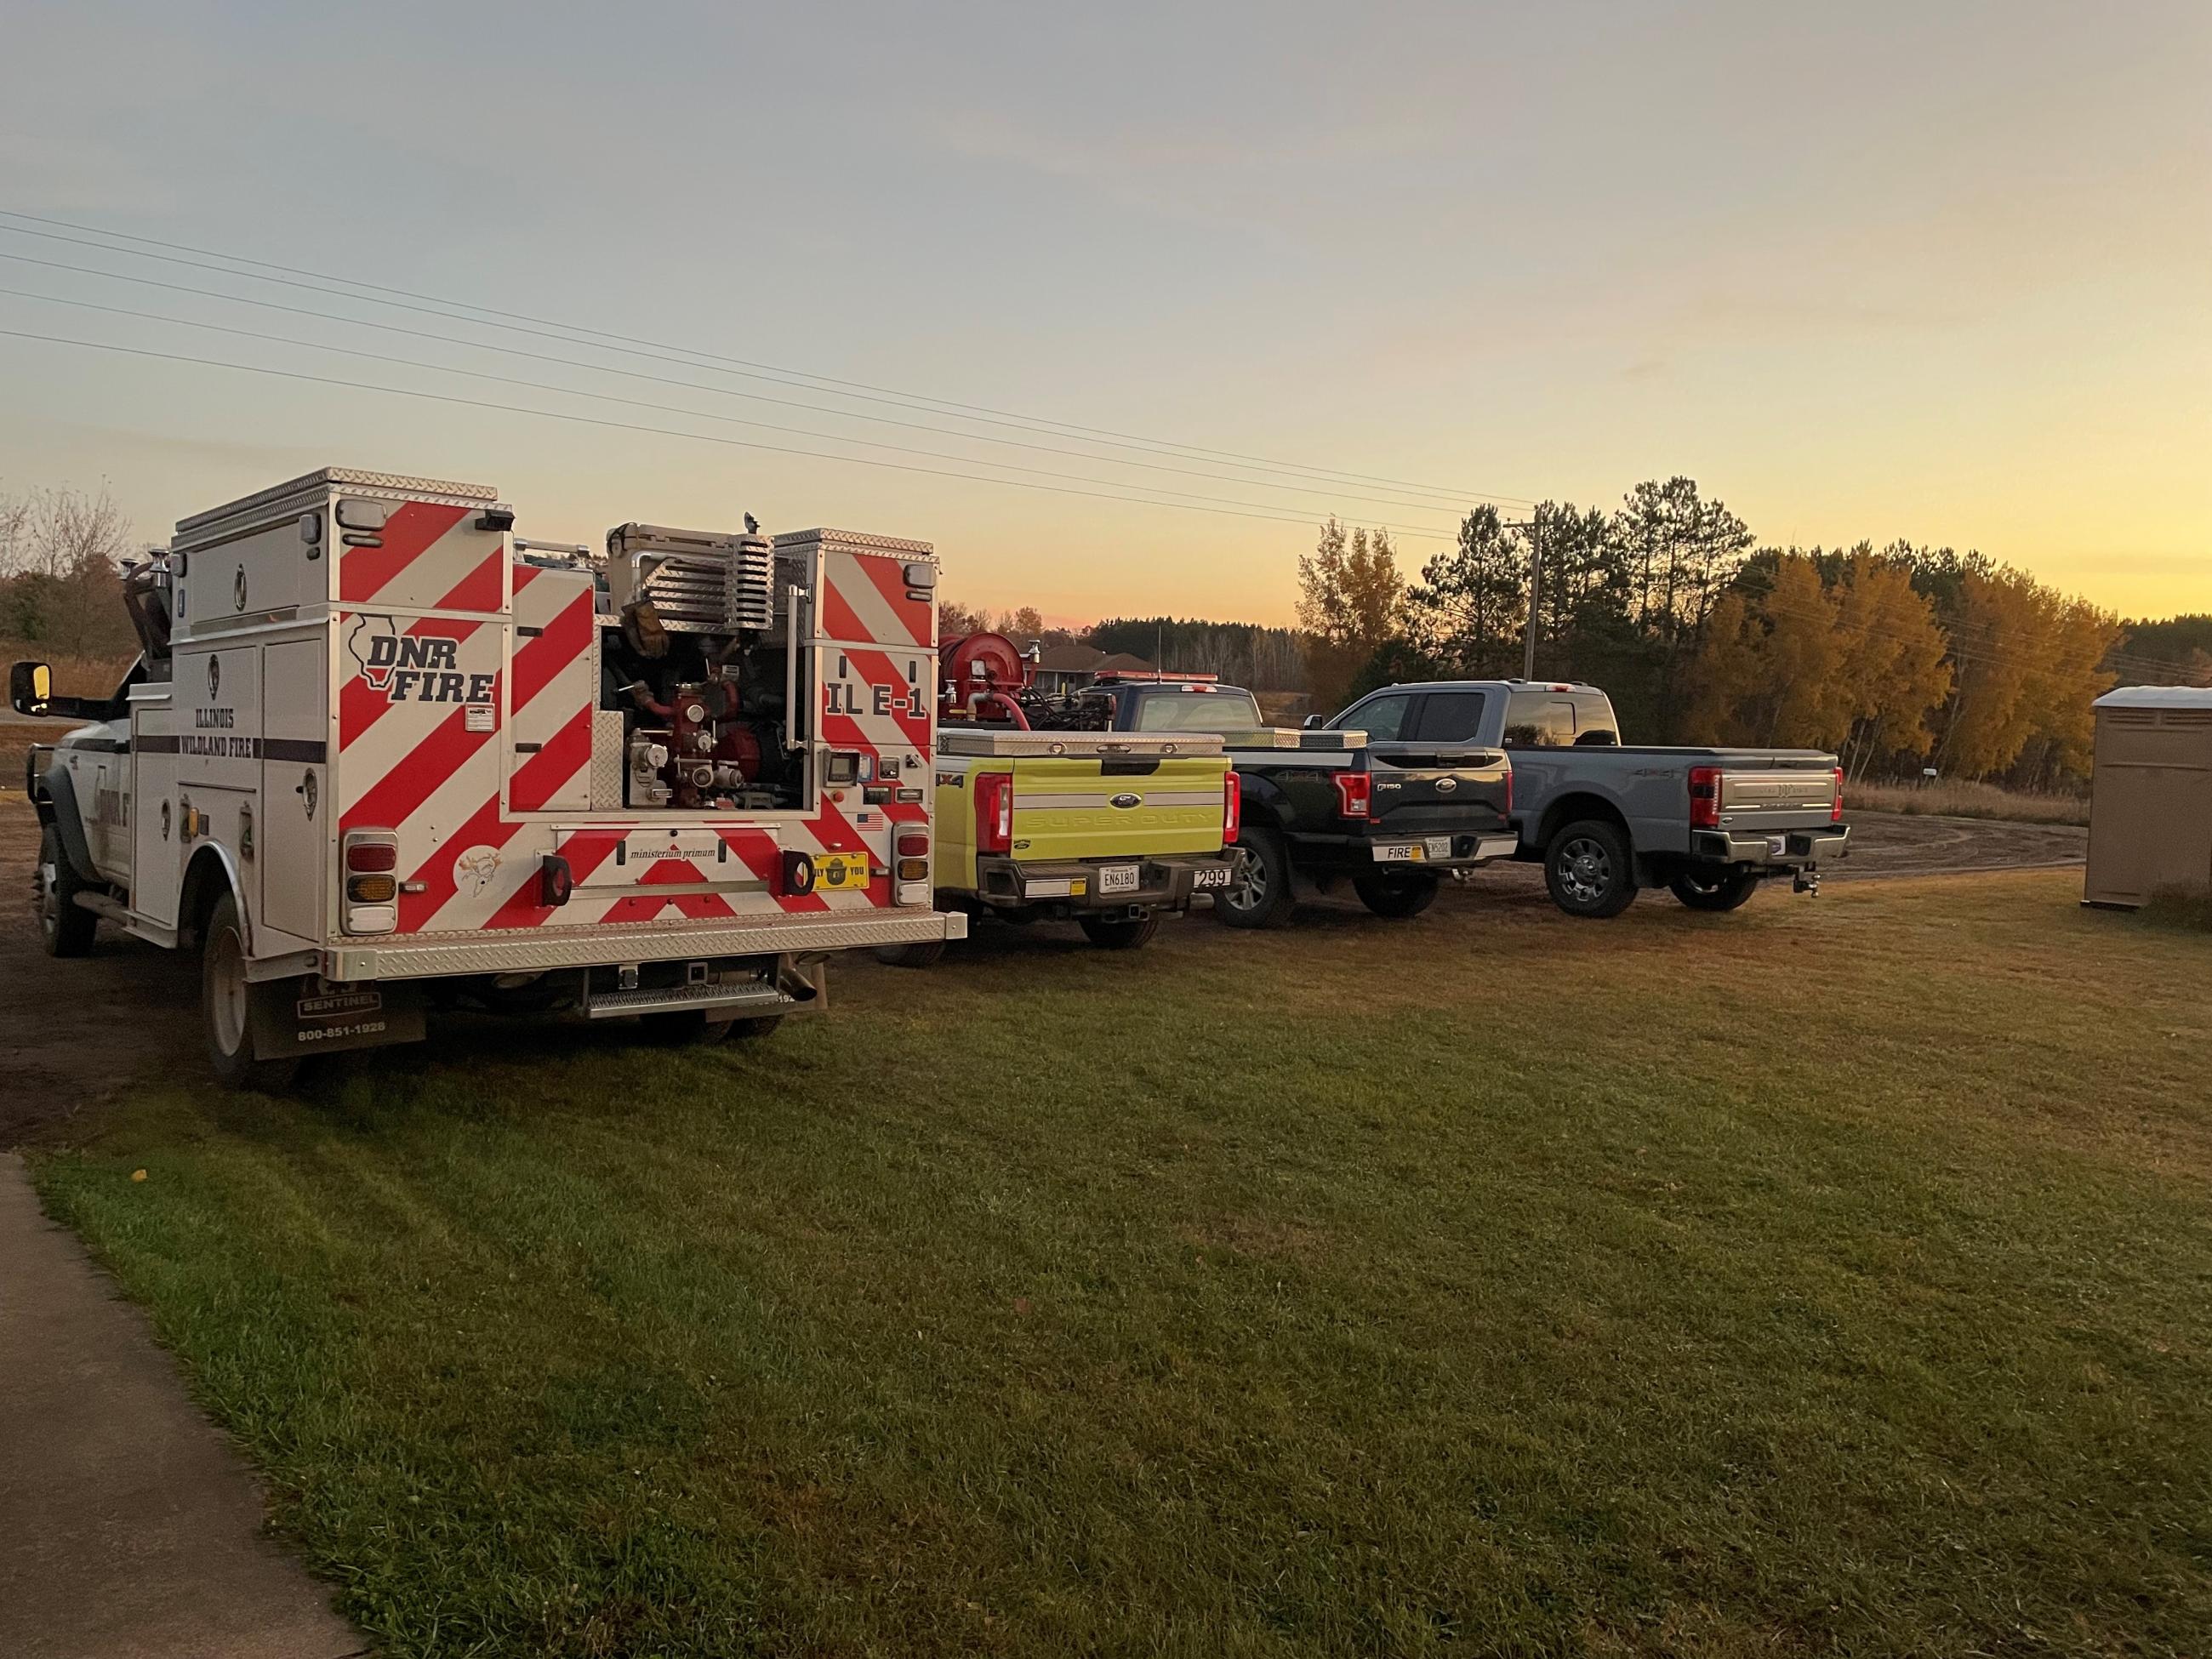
(1164, 881)
(447, 955)
(1797, 846)
(754, 997)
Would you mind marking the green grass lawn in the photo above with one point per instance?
(1832, 1277)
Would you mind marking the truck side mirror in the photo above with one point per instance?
(31, 688)
(1313, 723)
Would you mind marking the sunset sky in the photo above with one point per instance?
(1936, 270)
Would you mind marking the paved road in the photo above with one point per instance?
(129, 1529)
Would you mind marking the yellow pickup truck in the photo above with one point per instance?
(1108, 828)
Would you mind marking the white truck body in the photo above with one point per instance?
(359, 661)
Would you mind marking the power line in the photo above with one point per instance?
(665, 432)
(864, 391)
(656, 380)
(634, 402)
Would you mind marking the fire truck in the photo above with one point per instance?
(381, 754)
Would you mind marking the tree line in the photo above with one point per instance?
(1897, 658)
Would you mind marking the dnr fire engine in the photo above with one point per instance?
(380, 753)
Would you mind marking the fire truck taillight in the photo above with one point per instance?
(371, 889)
(556, 881)
(798, 870)
(1232, 807)
(1836, 812)
(913, 846)
(994, 812)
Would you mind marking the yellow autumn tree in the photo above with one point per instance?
(1766, 671)
(1892, 674)
(2027, 658)
(1839, 653)
(1350, 594)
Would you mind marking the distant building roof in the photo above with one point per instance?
(1071, 656)
(2157, 697)
(1121, 662)
(1069, 659)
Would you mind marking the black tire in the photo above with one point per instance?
(1119, 932)
(1724, 891)
(1396, 894)
(226, 1006)
(685, 1028)
(755, 1029)
(922, 953)
(66, 926)
(1588, 870)
(1263, 898)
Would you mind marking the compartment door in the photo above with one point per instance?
(294, 855)
(552, 691)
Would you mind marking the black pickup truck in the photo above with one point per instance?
(1395, 819)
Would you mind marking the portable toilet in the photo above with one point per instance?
(2150, 807)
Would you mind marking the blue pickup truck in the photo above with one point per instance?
(1607, 819)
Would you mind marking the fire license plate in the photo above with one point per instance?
(1212, 875)
(840, 872)
(1117, 878)
(1399, 852)
(1439, 847)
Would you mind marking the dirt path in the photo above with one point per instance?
(1898, 844)
(76, 1032)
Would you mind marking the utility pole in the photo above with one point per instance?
(1535, 529)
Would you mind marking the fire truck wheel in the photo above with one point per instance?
(922, 953)
(1396, 896)
(226, 999)
(66, 926)
(1119, 932)
(679, 1028)
(1265, 899)
(754, 1031)
(1702, 890)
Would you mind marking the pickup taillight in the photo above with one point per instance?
(994, 811)
(1232, 807)
(1835, 812)
(1355, 794)
(1705, 797)
(1509, 789)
